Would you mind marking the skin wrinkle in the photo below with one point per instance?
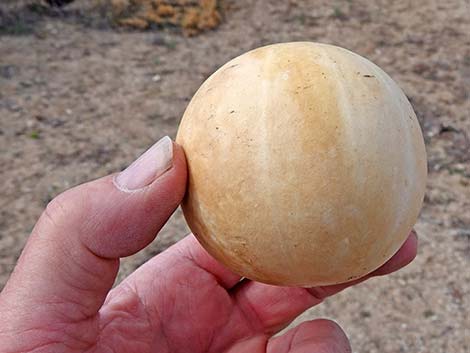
(50, 210)
(75, 286)
(76, 343)
(157, 316)
(83, 334)
(103, 349)
(86, 347)
(67, 315)
(253, 320)
(291, 341)
(57, 211)
(93, 274)
(35, 347)
(212, 333)
(234, 313)
(161, 328)
(217, 282)
(278, 325)
(116, 337)
(132, 294)
(77, 335)
(210, 342)
(317, 293)
(41, 346)
(68, 324)
(266, 341)
(188, 288)
(164, 330)
(191, 257)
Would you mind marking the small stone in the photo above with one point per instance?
(26, 84)
(7, 71)
(428, 313)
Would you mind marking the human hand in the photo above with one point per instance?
(60, 297)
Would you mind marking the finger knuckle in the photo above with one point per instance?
(58, 209)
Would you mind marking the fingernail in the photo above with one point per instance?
(148, 167)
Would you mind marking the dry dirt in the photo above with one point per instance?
(79, 99)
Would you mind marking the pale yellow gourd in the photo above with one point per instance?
(306, 163)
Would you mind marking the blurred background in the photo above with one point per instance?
(88, 86)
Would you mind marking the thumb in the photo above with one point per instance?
(72, 257)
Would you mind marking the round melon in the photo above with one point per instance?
(307, 165)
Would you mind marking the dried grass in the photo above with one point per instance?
(192, 16)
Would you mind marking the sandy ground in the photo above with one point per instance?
(79, 100)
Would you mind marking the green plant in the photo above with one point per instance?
(34, 135)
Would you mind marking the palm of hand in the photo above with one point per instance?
(184, 301)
